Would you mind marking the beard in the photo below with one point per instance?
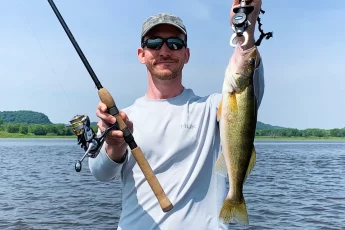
(165, 73)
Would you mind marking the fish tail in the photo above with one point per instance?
(231, 211)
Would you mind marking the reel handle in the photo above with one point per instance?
(77, 166)
(151, 178)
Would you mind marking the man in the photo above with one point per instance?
(176, 130)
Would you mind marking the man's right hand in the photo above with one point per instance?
(115, 144)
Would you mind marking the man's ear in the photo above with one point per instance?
(187, 55)
(141, 55)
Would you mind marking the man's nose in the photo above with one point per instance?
(164, 50)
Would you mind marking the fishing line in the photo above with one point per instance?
(94, 143)
(49, 63)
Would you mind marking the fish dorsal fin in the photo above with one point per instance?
(221, 166)
(252, 162)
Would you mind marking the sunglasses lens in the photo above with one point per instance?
(175, 43)
(154, 43)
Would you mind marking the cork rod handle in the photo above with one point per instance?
(138, 155)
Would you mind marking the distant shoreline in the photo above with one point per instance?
(31, 135)
(259, 138)
(269, 138)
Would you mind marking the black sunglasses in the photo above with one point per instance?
(174, 43)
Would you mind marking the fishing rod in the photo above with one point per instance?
(240, 24)
(88, 139)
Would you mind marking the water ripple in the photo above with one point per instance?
(294, 185)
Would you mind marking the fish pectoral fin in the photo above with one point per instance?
(233, 102)
(221, 166)
(219, 111)
(251, 164)
(234, 212)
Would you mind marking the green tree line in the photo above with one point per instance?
(263, 130)
(290, 132)
(38, 129)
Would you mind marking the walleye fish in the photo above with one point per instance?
(237, 116)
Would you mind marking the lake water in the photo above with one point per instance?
(295, 185)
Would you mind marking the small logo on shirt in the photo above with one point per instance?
(187, 126)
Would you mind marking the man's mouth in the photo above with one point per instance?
(164, 62)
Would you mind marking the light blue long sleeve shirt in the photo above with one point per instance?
(180, 139)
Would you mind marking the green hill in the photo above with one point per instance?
(24, 117)
(260, 125)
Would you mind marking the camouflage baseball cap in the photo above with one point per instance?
(162, 18)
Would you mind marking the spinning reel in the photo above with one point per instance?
(87, 139)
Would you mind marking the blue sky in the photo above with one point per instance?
(305, 82)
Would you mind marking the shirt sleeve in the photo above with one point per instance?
(259, 83)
